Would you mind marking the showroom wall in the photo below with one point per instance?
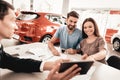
(54, 6)
(100, 11)
(95, 4)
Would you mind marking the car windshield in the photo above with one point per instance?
(56, 19)
(27, 16)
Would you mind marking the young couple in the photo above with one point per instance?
(72, 40)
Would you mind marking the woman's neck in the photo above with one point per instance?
(91, 37)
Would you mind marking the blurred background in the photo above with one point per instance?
(105, 12)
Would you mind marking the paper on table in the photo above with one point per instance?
(86, 76)
(30, 57)
(39, 52)
(42, 53)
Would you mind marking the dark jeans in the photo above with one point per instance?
(114, 61)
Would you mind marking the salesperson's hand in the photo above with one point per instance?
(68, 74)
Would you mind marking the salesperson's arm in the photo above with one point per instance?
(22, 65)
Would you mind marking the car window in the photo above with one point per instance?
(27, 16)
(56, 19)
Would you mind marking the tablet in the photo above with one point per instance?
(84, 65)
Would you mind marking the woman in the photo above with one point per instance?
(92, 45)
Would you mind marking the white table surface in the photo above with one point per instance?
(102, 71)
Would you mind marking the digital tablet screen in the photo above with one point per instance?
(84, 65)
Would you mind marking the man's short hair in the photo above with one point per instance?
(4, 7)
(73, 14)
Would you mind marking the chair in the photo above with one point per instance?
(114, 61)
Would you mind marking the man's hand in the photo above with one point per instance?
(56, 53)
(51, 46)
(68, 74)
(71, 51)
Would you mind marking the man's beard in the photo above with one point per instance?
(71, 27)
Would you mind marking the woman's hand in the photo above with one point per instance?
(84, 56)
(88, 58)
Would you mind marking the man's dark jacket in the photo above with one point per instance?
(16, 64)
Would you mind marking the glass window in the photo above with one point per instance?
(27, 16)
(56, 19)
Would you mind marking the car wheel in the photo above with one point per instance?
(46, 39)
(116, 44)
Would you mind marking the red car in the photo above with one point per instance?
(37, 26)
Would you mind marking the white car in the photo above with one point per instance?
(115, 40)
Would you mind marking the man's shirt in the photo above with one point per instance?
(68, 40)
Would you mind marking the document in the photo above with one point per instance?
(42, 53)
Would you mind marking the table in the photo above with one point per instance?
(102, 71)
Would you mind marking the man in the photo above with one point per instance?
(7, 28)
(69, 36)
